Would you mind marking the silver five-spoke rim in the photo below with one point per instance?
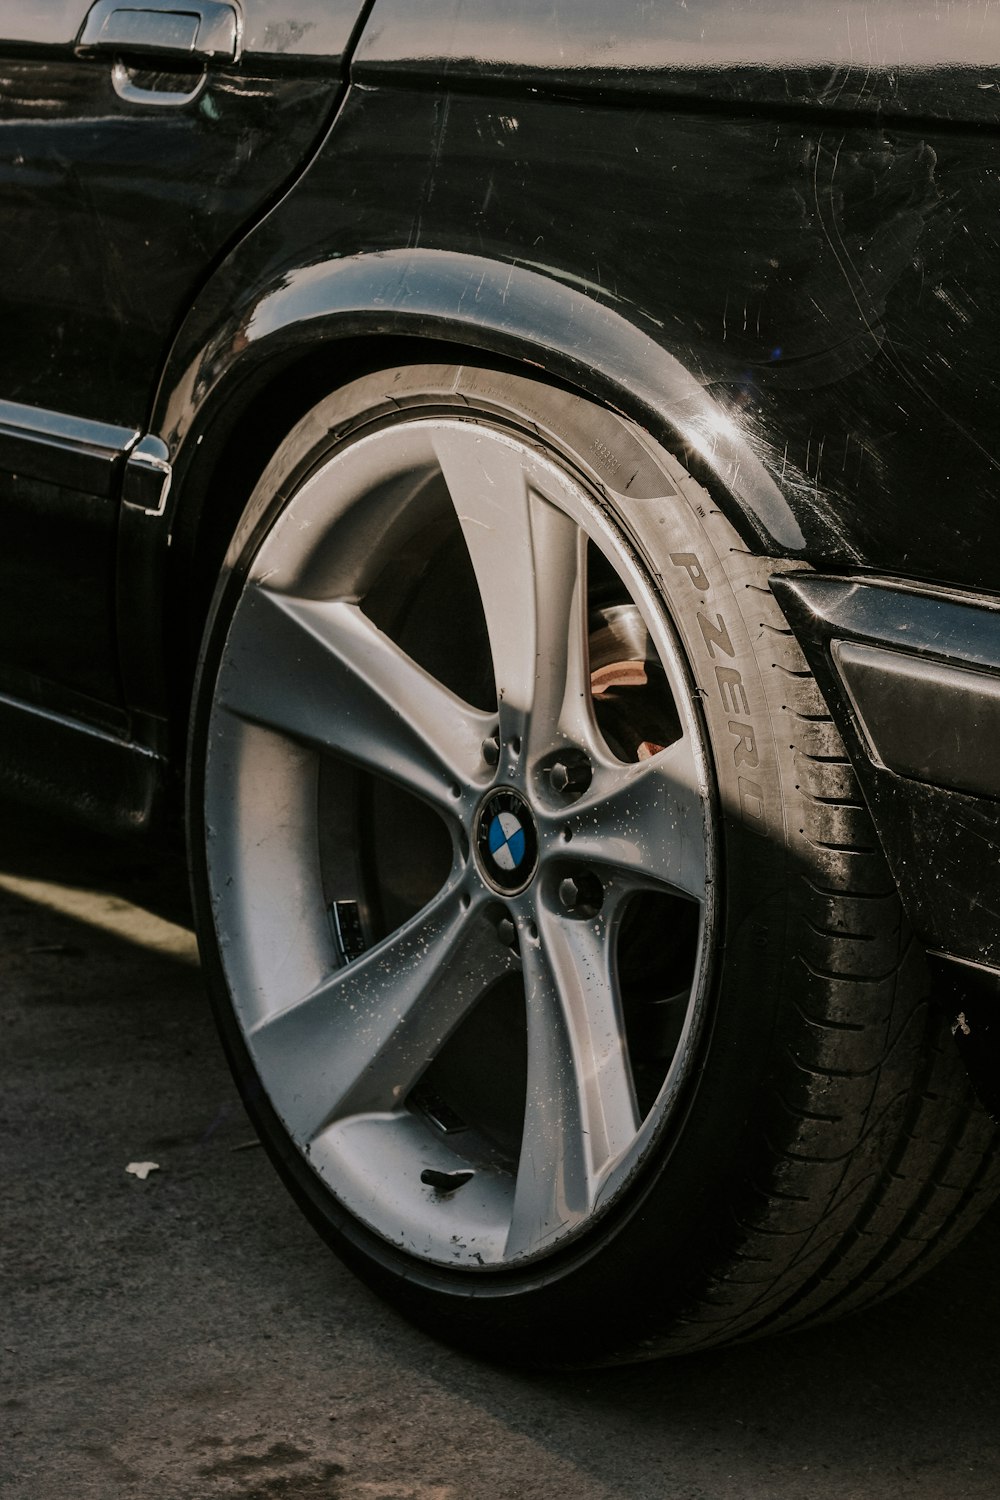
(553, 849)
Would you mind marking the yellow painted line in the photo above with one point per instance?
(108, 913)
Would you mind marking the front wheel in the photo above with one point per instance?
(548, 936)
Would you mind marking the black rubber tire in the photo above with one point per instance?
(829, 1148)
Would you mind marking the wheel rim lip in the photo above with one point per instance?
(356, 1198)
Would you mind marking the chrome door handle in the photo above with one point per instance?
(194, 31)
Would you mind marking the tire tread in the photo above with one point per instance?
(882, 1156)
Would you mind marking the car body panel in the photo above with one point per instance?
(857, 57)
(59, 480)
(289, 31)
(831, 286)
(912, 677)
(123, 203)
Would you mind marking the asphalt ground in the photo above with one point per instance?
(189, 1336)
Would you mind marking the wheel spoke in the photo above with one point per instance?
(646, 823)
(359, 1042)
(561, 709)
(323, 673)
(580, 1110)
(529, 558)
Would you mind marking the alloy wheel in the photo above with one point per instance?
(460, 840)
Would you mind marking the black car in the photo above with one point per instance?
(528, 474)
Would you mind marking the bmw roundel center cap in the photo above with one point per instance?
(506, 842)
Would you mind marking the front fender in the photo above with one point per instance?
(501, 310)
(236, 344)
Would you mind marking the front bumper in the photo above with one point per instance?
(912, 678)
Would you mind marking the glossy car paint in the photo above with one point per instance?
(115, 210)
(765, 231)
(286, 33)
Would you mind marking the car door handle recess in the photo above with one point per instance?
(190, 31)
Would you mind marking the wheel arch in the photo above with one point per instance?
(244, 369)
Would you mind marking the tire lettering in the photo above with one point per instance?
(716, 635)
(751, 803)
(734, 697)
(693, 568)
(745, 752)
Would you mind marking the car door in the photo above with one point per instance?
(138, 139)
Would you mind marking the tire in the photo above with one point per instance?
(548, 936)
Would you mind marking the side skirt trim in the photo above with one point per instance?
(73, 768)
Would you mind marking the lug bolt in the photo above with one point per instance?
(507, 933)
(491, 750)
(569, 893)
(570, 777)
(581, 895)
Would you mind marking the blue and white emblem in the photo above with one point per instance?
(507, 843)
